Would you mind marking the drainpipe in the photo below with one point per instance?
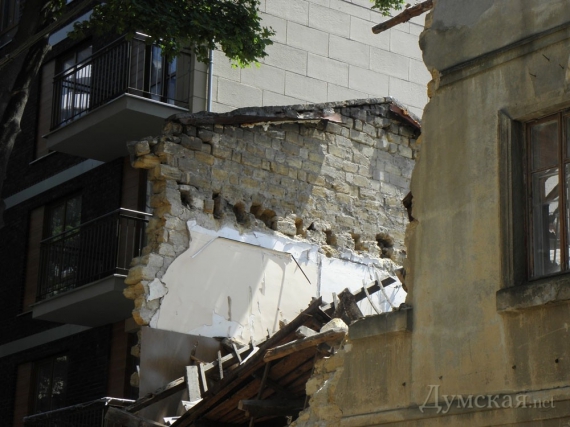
(210, 80)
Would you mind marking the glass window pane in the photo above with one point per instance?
(544, 144)
(545, 223)
(73, 213)
(57, 220)
(58, 385)
(43, 387)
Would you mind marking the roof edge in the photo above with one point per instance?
(292, 113)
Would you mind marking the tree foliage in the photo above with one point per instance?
(384, 6)
(233, 25)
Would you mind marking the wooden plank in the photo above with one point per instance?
(127, 419)
(237, 354)
(303, 343)
(168, 390)
(261, 408)
(360, 295)
(261, 388)
(226, 358)
(193, 382)
(282, 371)
(281, 368)
(246, 369)
(347, 310)
(203, 377)
(220, 365)
(275, 386)
(374, 287)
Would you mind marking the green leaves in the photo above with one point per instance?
(384, 6)
(232, 25)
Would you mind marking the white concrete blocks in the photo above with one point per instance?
(327, 48)
(329, 20)
(291, 10)
(327, 69)
(305, 88)
(310, 39)
(351, 52)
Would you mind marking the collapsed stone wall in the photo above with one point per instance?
(336, 183)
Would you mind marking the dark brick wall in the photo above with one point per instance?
(87, 369)
(100, 189)
(101, 193)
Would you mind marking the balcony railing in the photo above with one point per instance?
(124, 66)
(94, 250)
(89, 414)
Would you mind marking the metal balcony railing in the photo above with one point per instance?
(89, 414)
(124, 66)
(92, 251)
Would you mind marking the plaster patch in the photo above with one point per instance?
(156, 290)
(220, 327)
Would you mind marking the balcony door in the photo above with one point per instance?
(162, 84)
(75, 90)
(50, 384)
(62, 235)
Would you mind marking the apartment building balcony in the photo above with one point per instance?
(122, 92)
(82, 270)
(88, 414)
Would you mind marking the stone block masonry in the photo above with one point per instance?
(329, 174)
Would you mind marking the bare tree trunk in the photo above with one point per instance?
(10, 122)
(17, 77)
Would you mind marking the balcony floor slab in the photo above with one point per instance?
(102, 134)
(95, 304)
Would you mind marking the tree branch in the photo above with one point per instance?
(405, 16)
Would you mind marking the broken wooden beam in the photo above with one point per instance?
(168, 390)
(303, 343)
(375, 287)
(303, 332)
(224, 387)
(278, 388)
(264, 408)
(116, 416)
(226, 358)
(346, 309)
(404, 16)
(360, 294)
(193, 381)
(203, 377)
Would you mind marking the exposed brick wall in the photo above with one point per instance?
(338, 185)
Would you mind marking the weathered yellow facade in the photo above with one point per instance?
(482, 345)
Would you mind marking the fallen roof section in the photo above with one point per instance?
(260, 384)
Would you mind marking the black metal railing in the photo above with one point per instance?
(89, 414)
(124, 66)
(92, 251)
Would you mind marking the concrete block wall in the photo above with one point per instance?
(323, 51)
(336, 184)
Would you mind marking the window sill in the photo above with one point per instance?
(385, 323)
(529, 295)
